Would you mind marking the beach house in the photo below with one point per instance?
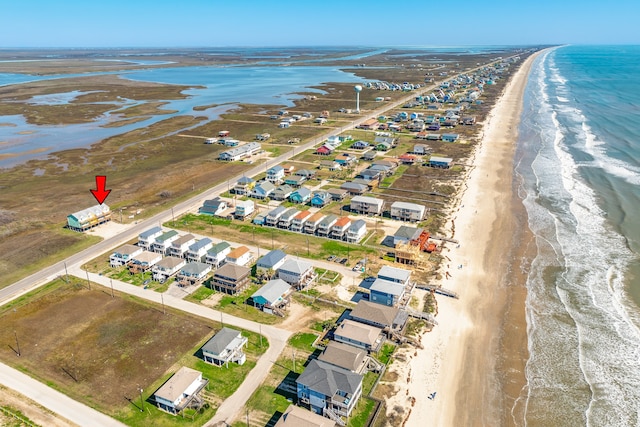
(181, 391)
(378, 315)
(269, 263)
(345, 356)
(273, 216)
(393, 274)
(89, 218)
(124, 255)
(144, 261)
(297, 273)
(166, 268)
(340, 227)
(295, 416)
(162, 242)
(324, 227)
(180, 246)
(287, 217)
(224, 347)
(213, 207)
(295, 181)
(230, 279)
(311, 224)
(320, 199)
(301, 195)
(243, 186)
(262, 190)
(282, 192)
(271, 297)
(148, 237)
(328, 389)
(386, 292)
(298, 222)
(337, 194)
(354, 188)
(356, 231)
(244, 208)
(360, 145)
(198, 250)
(406, 234)
(275, 174)
(366, 205)
(217, 254)
(239, 256)
(439, 162)
(359, 335)
(193, 273)
(405, 211)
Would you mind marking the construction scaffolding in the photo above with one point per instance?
(410, 254)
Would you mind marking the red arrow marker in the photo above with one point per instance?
(100, 193)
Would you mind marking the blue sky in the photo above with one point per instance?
(197, 23)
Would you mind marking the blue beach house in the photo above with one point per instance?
(329, 389)
(301, 195)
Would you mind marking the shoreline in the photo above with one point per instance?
(475, 358)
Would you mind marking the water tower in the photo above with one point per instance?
(358, 89)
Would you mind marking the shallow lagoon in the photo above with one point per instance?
(223, 86)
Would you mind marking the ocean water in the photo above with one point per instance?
(578, 164)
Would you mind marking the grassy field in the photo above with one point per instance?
(101, 350)
(268, 237)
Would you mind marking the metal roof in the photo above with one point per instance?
(200, 244)
(221, 340)
(393, 273)
(295, 266)
(387, 287)
(150, 232)
(271, 291)
(271, 258)
(195, 268)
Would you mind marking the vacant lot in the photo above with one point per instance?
(95, 348)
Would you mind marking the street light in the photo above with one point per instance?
(141, 402)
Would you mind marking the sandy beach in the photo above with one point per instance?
(474, 359)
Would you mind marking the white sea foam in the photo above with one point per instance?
(587, 364)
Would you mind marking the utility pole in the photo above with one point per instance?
(293, 358)
(141, 402)
(111, 280)
(162, 299)
(17, 344)
(66, 273)
(260, 333)
(88, 281)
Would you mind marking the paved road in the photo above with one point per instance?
(53, 400)
(277, 338)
